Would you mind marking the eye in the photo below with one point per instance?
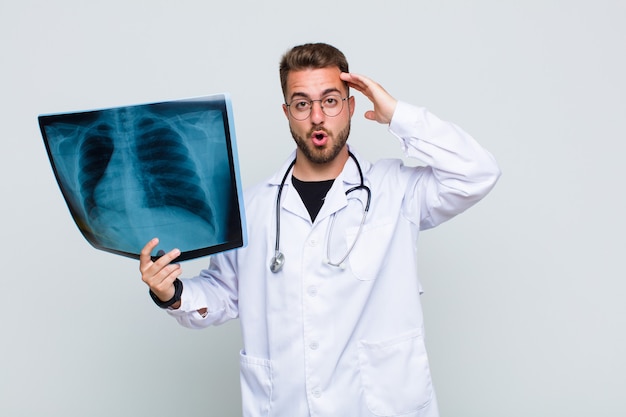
(331, 101)
(301, 105)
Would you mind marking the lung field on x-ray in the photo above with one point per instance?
(172, 174)
(95, 153)
(133, 173)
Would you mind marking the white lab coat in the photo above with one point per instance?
(325, 341)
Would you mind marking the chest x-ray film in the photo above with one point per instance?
(166, 170)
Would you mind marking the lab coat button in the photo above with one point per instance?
(312, 291)
(312, 242)
(317, 393)
(314, 345)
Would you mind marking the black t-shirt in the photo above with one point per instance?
(312, 194)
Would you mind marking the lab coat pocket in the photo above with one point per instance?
(369, 252)
(256, 385)
(395, 375)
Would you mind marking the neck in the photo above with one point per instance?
(305, 170)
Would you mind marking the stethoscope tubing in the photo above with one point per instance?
(278, 260)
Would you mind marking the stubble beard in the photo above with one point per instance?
(326, 153)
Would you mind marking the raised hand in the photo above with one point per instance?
(384, 103)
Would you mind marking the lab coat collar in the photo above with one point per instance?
(336, 198)
(350, 173)
(349, 177)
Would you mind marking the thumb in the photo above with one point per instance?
(370, 115)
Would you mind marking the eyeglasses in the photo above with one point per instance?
(332, 105)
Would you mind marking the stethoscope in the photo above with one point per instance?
(278, 260)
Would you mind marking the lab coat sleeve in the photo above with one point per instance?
(214, 289)
(458, 171)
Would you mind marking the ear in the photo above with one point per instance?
(351, 104)
(286, 111)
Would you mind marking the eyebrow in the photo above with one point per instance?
(324, 93)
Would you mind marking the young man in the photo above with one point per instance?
(327, 290)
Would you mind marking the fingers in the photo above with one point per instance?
(384, 103)
(145, 259)
(358, 82)
(162, 283)
(159, 275)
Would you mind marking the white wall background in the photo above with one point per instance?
(525, 293)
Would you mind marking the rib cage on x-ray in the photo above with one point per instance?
(137, 172)
(160, 160)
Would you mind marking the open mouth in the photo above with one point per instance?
(319, 138)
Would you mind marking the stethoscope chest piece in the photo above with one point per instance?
(277, 262)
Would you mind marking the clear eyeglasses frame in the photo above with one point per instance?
(332, 105)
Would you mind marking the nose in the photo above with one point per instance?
(317, 115)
